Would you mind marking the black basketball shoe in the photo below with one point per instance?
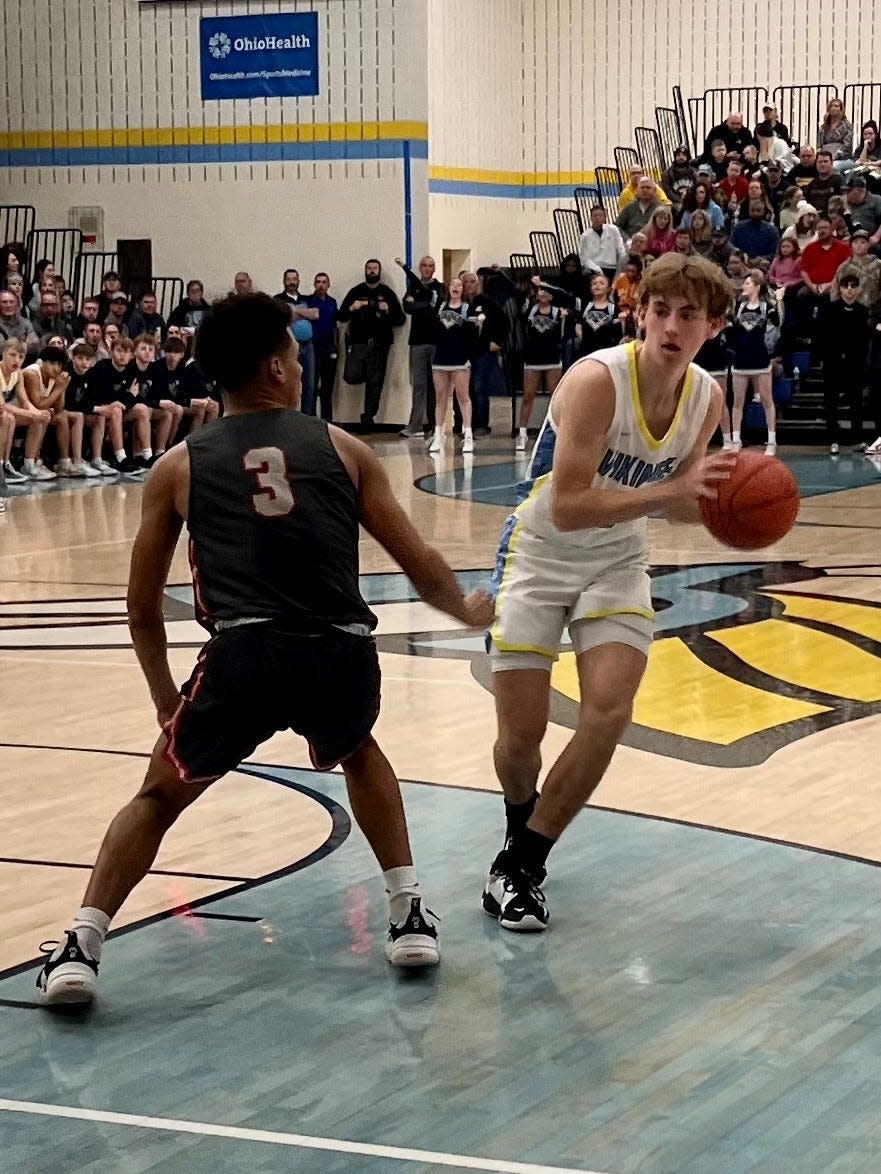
(414, 941)
(68, 975)
(514, 897)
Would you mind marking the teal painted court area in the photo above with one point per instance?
(704, 1002)
(496, 484)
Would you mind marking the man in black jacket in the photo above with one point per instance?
(421, 301)
(491, 340)
(733, 134)
(373, 312)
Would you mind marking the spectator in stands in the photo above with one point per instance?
(805, 171)
(45, 384)
(842, 225)
(116, 315)
(786, 279)
(421, 302)
(93, 337)
(12, 325)
(820, 261)
(750, 161)
(683, 242)
(637, 213)
(660, 234)
(110, 284)
(492, 329)
(776, 188)
(114, 383)
(374, 313)
(732, 189)
(601, 247)
(325, 343)
(678, 178)
(15, 284)
(172, 384)
(868, 162)
(78, 402)
(43, 268)
(836, 132)
(787, 217)
(630, 191)
(88, 313)
(242, 283)
(110, 334)
(165, 413)
(716, 166)
(626, 290)
(701, 198)
(45, 285)
(770, 128)
(720, 247)
(47, 320)
(805, 228)
(598, 325)
(68, 314)
(864, 266)
(701, 232)
(17, 411)
(755, 192)
(753, 316)
(827, 183)
(841, 343)
(15, 259)
(755, 236)
(189, 313)
(737, 271)
(146, 319)
(732, 133)
(302, 317)
(638, 246)
(864, 208)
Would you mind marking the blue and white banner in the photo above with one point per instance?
(259, 56)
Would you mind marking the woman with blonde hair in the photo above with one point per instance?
(659, 232)
(701, 232)
(836, 132)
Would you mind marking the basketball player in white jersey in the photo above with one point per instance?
(626, 436)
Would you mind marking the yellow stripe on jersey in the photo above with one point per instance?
(647, 436)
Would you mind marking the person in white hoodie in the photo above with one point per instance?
(601, 248)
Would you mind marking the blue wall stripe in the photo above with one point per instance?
(326, 152)
(503, 191)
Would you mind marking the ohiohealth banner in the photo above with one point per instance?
(259, 56)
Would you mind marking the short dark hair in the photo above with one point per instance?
(110, 273)
(195, 281)
(53, 354)
(321, 273)
(174, 346)
(149, 339)
(241, 333)
(716, 143)
(598, 208)
(92, 299)
(147, 293)
(84, 349)
(850, 279)
(824, 216)
(373, 261)
(823, 151)
(287, 271)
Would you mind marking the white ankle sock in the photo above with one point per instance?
(120, 454)
(401, 885)
(735, 436)
(772, 436)
(524, 432)
(146, 453)
(726, 437)
(91, 927)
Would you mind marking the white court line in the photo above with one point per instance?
(295, 1140)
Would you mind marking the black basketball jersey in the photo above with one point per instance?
(273, 523)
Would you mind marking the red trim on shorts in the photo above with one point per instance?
(171, 727)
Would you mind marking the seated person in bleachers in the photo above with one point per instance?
(189, 313)
(110, 284)
(827, 183)
(678, 178)
(868, 160)
(864, 208)
(732, 133)
(776, 188)
(842, 225)
(720, 247)
(836, 131)
(716, 163)
(99, 419)
(820, 261)
(637, 213)
(626, 290)
(630, 191)
(787, 215)
(660, 235)
(756, 237)
(145, 319)
(164, 412)
(45, 384)
(12, 324)
(750, 162)
(755, 192)
(109, 335)
(805, 171)
(701, 232)
(47, 319)
(16, 410)
(737, 272)
(805, 228)
(67, 317)
(770, 128)
(88, 313)
(117, 315)
(598, 325)
(601, 247)
(732, 189)
(700, 198)
(683, 242)
(865, 266)
(171, 377)
(92, 336)
(114, 383)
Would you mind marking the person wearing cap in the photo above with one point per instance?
(117, 312)
(864, 208)
(866, 267)
(805, 228)
(678, 178)
(775, 187)
(771, 128)
(720, 247)
(629, 192)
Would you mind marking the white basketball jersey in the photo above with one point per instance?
(633, 457)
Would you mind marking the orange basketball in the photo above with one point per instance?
(756, 506)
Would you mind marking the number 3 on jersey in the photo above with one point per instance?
(274, 497)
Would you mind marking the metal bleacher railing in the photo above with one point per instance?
(17, 221)
(58, 245)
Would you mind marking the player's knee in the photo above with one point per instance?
(140, 412)
(167, 796)
(607, 713)
(521, 741)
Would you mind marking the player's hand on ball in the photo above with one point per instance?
(700, 480)
(479, 608)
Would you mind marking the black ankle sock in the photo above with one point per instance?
(530, 849)
(517, 815)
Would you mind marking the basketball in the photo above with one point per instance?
(756, 506)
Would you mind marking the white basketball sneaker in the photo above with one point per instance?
(69, 975)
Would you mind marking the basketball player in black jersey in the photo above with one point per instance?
(272, 500)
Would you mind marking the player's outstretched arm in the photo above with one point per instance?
(161, 521)
(383, 518)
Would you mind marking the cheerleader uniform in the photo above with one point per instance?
(455, 337)
(544, 340)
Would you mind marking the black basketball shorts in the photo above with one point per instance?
(252, 681)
